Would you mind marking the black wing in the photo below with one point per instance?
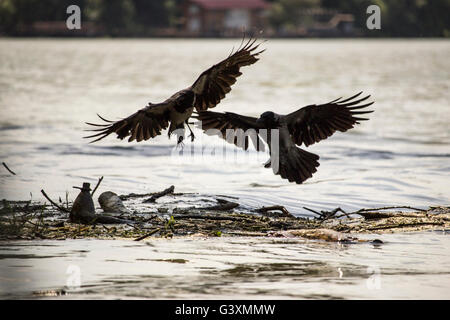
(213, 84)
(237, 126)
(142, 125)
(290, 162)
(314, 123)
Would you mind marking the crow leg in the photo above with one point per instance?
(192, 133)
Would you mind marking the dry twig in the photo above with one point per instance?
(147, 234)
(98, 183)
(53, 203)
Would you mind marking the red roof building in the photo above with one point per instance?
(224, 17)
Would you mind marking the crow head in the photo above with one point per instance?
(269, 120)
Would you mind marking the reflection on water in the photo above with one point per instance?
(49, 88)
(406, 266)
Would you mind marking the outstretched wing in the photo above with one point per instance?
(314, 123)
(142, 125)
(290, 162)
(232, 127)
(214, 83)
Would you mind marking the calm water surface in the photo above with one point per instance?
(407, 266)
(49, 88)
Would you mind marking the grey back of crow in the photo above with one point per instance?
(305, 126)
(206, 92)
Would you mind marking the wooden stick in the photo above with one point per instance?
(98, 183)
(385, 208)
(224, 205)
(208, 217)
(365, 212)
(313, 211)
(124, 197)
(273, 208)
(147, 235)
(12, 172)
(159, 195)
(53, 203)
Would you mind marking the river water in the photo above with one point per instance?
(406, 266)
(49, 88)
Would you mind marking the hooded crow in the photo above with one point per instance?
(305, 126)
(206, 92)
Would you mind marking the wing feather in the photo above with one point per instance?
(229, 120)
(142, 125)
(314, 123)
(213, 84)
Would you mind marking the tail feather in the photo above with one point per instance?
(296, 165)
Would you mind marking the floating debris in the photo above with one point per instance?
(138, 221)
(110, 202)
(83, 209)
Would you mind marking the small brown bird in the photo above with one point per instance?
(206, 92)
(307, 126)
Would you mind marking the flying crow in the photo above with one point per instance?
(307, 126)
(206, 92)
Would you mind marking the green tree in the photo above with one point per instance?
(287, 13)
(117, 16)
(151, 13)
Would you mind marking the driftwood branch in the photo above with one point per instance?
(224, 205)
(324, 215)
(148, 234)
(151, 194)
(10, 171)
(98, 183)
(158, 195)
(53, 203)
(266, 210)
(207, 217)
(367, 213)
(385, 208)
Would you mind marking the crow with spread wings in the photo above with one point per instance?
(307, 126)
(206, 92)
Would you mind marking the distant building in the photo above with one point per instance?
(329, 23)
(224, 17)
(320, 22)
